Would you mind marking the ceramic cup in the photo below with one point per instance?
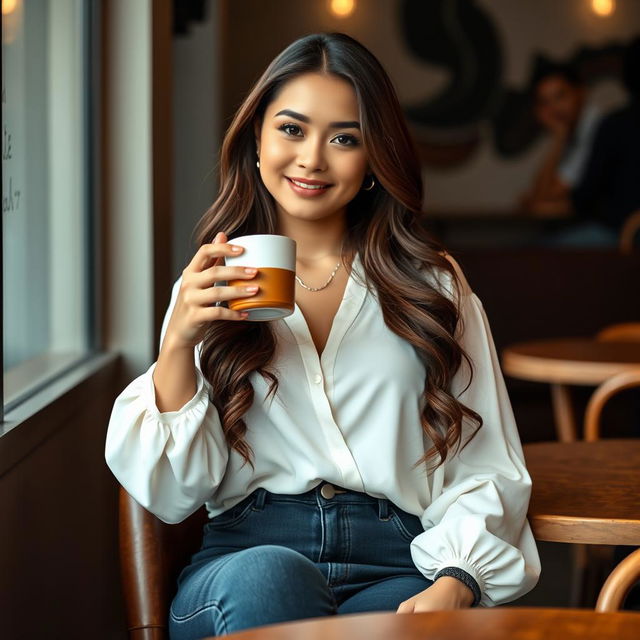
(275, 258)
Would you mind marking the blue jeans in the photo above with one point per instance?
(279, 557)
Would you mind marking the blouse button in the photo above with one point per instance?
(317, 378)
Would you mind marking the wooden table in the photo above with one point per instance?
(569, 361)
(500, 623)
(585, 492)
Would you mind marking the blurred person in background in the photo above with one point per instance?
(561, 106)
(609, 190)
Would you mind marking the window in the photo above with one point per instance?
(47, 224)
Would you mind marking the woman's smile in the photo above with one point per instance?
(310, 189)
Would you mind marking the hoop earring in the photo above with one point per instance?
(373, 184)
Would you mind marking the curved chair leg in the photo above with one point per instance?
(619, 583)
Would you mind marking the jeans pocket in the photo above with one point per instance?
(407, 525)
(233, 516)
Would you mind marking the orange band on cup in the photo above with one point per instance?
(277, 289)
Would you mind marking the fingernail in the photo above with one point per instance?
(250, 270)
(236, 249)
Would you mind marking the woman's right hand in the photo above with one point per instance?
(195, 304)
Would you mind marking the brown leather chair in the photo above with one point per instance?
(152, 554)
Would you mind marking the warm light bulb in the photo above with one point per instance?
(603, 8)
(8, 6)
(342, 8)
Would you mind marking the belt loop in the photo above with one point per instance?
(383, 509)
(261, 494)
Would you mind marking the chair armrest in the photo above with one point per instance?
(148, 633)
(144, 570)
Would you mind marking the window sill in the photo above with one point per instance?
(47, 411)
(29, 377)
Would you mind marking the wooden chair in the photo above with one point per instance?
(627, 573)
(619, 583)
(152, 554)
(628, 232)
(591, 561)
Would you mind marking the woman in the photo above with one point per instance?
(360, 454)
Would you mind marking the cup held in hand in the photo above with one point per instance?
(275, 258)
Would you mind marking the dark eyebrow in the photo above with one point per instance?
(348, 124)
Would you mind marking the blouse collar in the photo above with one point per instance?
(351, 303)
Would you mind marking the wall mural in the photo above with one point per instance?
(461, 36)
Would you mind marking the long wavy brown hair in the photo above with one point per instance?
(383, 225)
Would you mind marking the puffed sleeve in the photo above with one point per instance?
(169, 462)
(476, 520)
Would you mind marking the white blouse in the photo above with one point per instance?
(350, 417)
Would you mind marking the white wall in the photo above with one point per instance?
(128, 185)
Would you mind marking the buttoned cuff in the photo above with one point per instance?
(464, 577)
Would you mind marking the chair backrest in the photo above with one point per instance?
(622, 332)
(628, 232)
(152, 554)
(608, 389)
(619, 583)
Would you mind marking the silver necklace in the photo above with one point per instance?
(326, 284)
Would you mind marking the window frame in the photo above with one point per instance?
(129, 96)
(56, 386)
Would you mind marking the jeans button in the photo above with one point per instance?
(327, 491)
